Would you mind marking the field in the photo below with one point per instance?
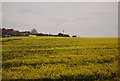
(60, 58)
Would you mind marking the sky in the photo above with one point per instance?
(60, 0)
(84, 19)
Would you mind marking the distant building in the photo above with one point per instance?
(7, 32)
(12, 32)
(25, 33)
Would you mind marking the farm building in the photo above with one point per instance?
(12, 32)
(7, 32)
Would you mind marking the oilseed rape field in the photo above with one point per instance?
(67, 58)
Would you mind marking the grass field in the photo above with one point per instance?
(60, 58)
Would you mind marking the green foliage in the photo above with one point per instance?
(63, 35)
(33, 31)
(60, 58)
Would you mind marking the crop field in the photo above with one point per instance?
(60, 58)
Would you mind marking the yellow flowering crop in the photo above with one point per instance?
(60, 58)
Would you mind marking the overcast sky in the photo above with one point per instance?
(75, 18)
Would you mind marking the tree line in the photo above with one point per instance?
(34, 32)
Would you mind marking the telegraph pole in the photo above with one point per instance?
(63, 31)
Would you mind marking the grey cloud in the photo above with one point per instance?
(30, 11)
(84, 19)
(60, 21)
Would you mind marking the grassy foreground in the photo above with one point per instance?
(60, 58)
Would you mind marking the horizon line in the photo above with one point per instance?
(61, 32)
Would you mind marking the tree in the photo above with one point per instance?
(66, 35)
(34, 31)
(60, 34)
(63, 35)
(74, 36)
(40, 34)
